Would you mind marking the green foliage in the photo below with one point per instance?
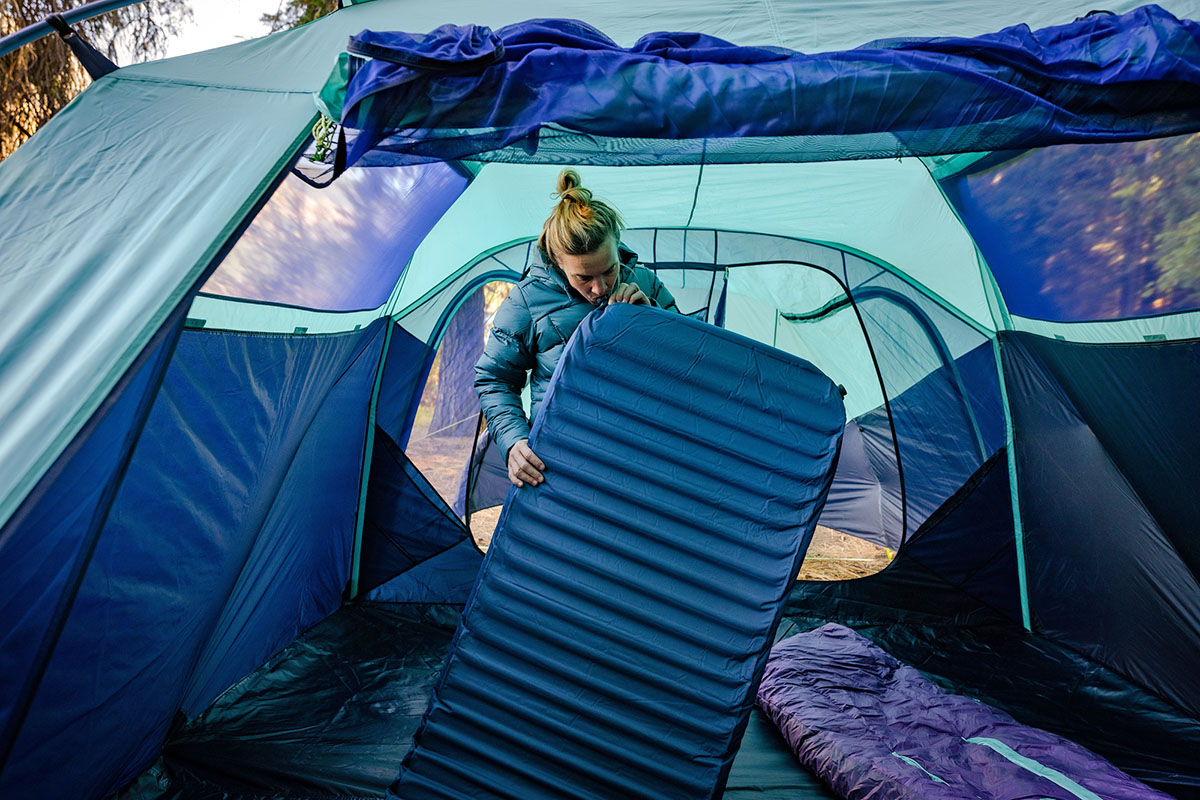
(40, 78)
(298, 12)
(1177, 250)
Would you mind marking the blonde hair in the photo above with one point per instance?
(579, 223)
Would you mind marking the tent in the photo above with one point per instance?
(225, 390)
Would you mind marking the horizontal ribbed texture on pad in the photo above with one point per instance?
(625, 608)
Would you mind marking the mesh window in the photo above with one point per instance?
(447, 418)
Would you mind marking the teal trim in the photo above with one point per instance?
(1011, 453)
(997, 307)
(914, 763)
(365, 476)
(996, 302)
(1036, 767)
(944, 166)
(439, 330)
(458, 273)
(1176, 326)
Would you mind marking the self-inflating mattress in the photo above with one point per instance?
(872, 727)
(624, 612)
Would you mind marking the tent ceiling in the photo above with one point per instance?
(890, 209)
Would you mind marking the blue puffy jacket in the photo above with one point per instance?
(528, 336)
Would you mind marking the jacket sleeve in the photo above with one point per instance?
(502, 371)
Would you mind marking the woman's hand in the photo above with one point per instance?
(628, 293)
(523, 466)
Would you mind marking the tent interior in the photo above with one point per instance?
(243, 451)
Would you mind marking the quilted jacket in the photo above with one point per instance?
(529, 334)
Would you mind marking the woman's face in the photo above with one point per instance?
(593, 274)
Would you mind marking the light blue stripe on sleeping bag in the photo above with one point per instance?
(1036, 767)
(908, 760)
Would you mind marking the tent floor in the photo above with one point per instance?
(332, 715)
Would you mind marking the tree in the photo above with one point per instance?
(298, 12)
(40, 78)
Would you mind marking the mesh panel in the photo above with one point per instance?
(341, 247)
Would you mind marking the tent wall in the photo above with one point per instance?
(230, 534)
(937, 365)
(1106, 443)
(167, 156)
(48, 542)
(132, 225)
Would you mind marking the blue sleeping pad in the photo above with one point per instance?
(621, 620)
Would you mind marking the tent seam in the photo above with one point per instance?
(199, 85)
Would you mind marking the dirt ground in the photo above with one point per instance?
(832, 556)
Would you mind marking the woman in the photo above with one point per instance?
(582, 265)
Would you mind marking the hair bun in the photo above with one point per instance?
(579, 223)
(569, 188)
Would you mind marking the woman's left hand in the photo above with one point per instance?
(628, 293)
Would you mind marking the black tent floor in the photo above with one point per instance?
(332, 715)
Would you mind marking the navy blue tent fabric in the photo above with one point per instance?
(873, 727)
(406, 521)
(464, 91)
(230, 534)
(956, 618)
(446, 577)
(405, 368)
(1106, 437)
(947, 425)
(43, 545)
(969, 542)
(855, 503)
(613, 640)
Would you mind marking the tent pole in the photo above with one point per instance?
(1011, 455)
(31, 33)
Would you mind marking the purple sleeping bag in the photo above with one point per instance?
(872, 727)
